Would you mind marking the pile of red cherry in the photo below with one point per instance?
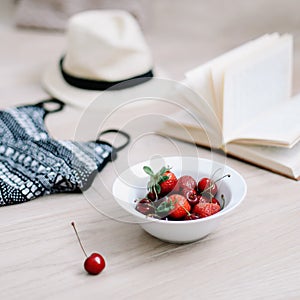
(172, 198)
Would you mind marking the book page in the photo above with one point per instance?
(219, 65)
(188, 126)
(202, 82)
(284, 161)
(280, 126)
(195, 104)
(253, 86)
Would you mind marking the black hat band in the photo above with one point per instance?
(98, 85)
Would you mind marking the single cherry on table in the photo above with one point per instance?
(93, 264)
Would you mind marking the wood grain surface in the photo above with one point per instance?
(254, 254)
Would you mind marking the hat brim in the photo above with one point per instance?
(54, 84)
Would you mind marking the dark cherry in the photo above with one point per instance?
(203, 199)
(144, 200)
(145, 206)
(94, 263)
(186, 182)
(151, 196)
(192, 216)
(190, 195)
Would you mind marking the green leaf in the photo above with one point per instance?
(163, 178)
(165, 207)
(157, 188)
(162, 170)
(148, 170)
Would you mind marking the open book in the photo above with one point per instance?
(241, 103)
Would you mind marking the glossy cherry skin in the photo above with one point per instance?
(151, 196)
(186, 182)
(203, 199)
(94, 264)
(190, 195)
(207, 186)
(145, 206)
(214, 200)
(192, 216)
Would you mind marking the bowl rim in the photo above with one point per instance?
(219, 214)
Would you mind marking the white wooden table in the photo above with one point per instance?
(255, 254)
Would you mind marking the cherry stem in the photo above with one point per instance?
(223, 201)
(227, 175)
(209, 188)
(73, 224)
(215, 172)
(188, 213)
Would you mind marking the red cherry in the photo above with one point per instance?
(207, 186)
(93, 264)
(214, 200)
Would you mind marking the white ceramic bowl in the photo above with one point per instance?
(131, 185)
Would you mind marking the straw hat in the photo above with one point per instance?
(106, 53)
